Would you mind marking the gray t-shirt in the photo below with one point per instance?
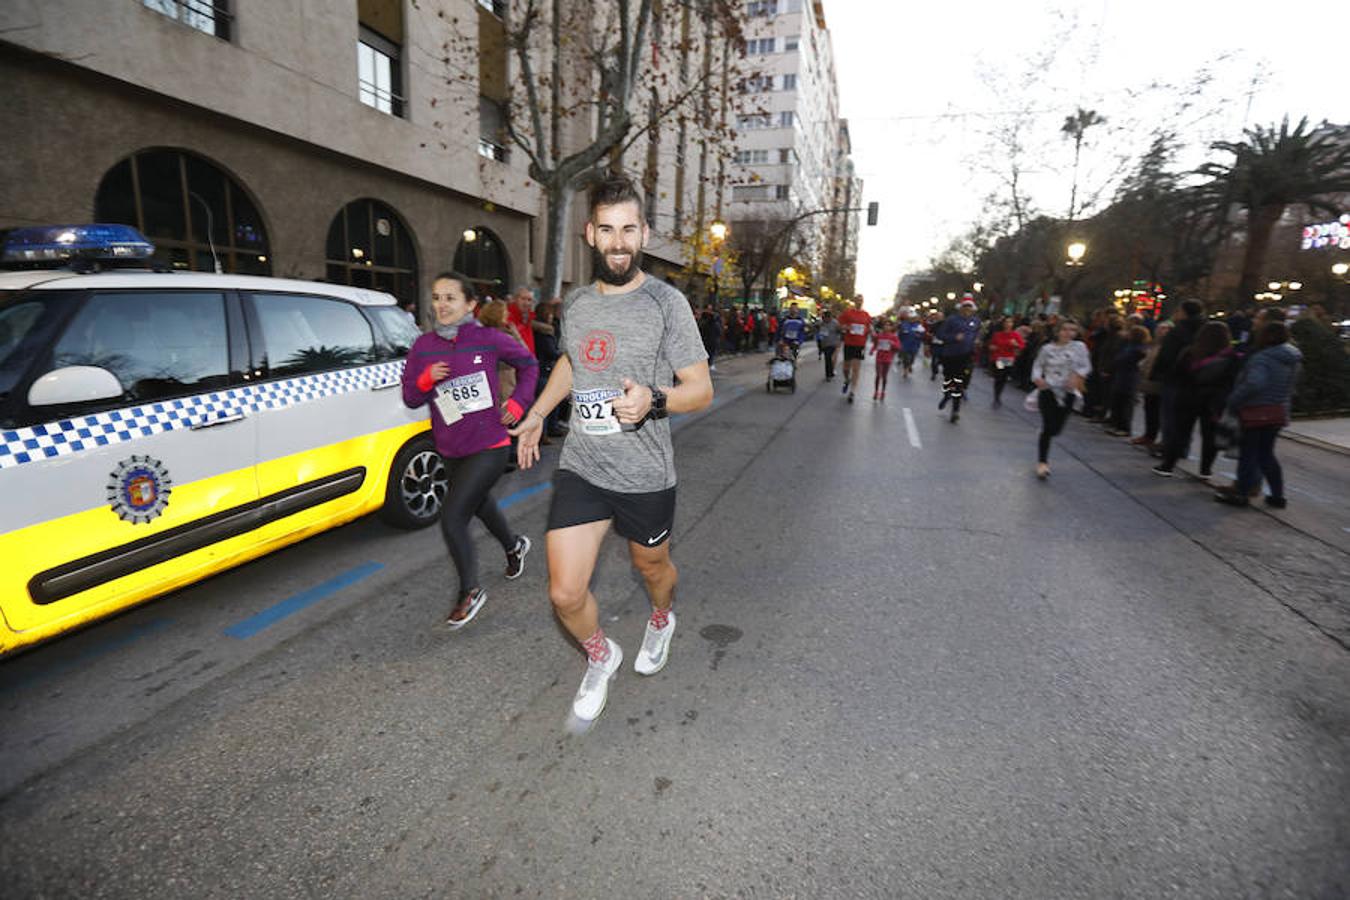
(645, 334)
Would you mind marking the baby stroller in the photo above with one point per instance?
(782, 372)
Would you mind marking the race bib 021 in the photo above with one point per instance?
(593, 411)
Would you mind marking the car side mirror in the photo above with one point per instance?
(74, 384)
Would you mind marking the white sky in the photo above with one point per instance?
(917, 82)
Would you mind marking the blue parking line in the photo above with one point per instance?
(292, 605)
(522, 494)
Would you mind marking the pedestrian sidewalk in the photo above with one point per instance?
(1326, 434)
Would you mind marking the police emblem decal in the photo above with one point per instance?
(138, 489)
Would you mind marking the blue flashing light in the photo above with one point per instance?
(56, 244)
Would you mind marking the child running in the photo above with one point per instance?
(453, 368)
(885, 344)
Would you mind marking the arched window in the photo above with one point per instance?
(369, 246)
(481, 256)
(194, 213)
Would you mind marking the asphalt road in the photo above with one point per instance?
(904, 668)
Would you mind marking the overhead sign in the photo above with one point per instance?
(1328, 235)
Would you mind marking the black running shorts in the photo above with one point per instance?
(855, 352)
(645, 519)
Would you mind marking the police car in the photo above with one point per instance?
(157, 427)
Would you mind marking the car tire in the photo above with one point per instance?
(418, 483)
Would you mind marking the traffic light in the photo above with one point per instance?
(872, 213)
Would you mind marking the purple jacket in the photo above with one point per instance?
(474, 349)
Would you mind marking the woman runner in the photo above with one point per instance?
(1059, 373)
(885, 344)
(453, 368)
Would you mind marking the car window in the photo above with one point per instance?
(399, 329)
(158, 344)
(23, 318)
(311, 334)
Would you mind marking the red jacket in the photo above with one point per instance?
(522, 322)
(1005, 345)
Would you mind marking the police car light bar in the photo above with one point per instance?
(57, 244)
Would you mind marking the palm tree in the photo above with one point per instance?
(1272, 169)
(1075, 126)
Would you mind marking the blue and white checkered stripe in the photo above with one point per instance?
(119, 426)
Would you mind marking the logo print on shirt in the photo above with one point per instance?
(477, 358)
(597, 350)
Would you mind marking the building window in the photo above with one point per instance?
(481, 256)
(786, 156)
(786, 118)
(754, 121)
(378, 76)
(781, 191)
(369, 246)
(496, 7)
(794, 6)
(492, 129)
(758, 46)
(757, 84)
(761, 8)
(750, 192)
(204, 15)
(790, 42)
(752, 157)
(198, 217)
(790, 82)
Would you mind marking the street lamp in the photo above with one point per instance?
(470, 235)
(979, 286)
(1340, 269)
(718, 230)
(1076, 251)
(951, 295)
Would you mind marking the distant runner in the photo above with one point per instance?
(856, 326)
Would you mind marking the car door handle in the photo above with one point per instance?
(386, 385)
(222, 419)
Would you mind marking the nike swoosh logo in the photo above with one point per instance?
(658, 537)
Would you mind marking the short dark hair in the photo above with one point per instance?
(1273, 333)
(464, 284)
(1192, 308)
(612, 191)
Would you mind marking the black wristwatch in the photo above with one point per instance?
(658, 410)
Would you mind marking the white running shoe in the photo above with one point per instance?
(655, 650)
(594, 691)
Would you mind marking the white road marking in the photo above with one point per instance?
(913, 431)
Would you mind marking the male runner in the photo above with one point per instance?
(625, 339)
(958, 334)
(792, 329)
(856, 325)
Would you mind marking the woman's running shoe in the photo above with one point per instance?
(467, 608)
(515, 557)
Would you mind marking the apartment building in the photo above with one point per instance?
(792, 149)
(358, 142)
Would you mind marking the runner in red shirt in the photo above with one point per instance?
(855, 325)
(1004, 345)
(885, 344)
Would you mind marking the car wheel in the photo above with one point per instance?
(418, 482)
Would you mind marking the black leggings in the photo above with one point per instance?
(1053, 416)
(1000, 381)
(471, 481)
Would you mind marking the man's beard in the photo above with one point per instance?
(602, 270)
